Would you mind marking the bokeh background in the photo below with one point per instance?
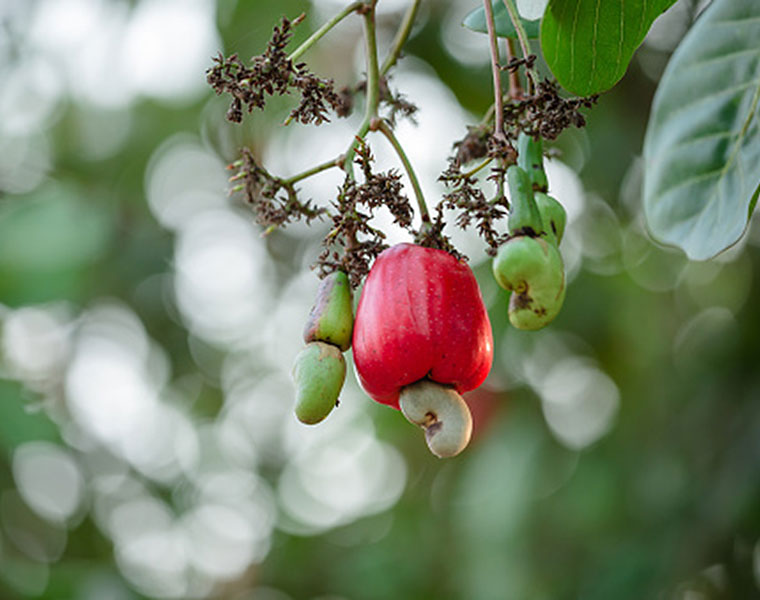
(147, 443)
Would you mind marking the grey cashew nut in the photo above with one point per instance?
(441, 412)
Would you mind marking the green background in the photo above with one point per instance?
(147, 443)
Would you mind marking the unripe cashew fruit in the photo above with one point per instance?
(532, 269)
(319, 372)
(530, 156)
(331, 319)
(553, 216)
(441, 412)
(524, 217)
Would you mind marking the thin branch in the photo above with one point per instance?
(319, 33)
(476, 169)
(522, 36)
(498, 128)
(381, 126)
(401, 36)
(335, 162)
(515, 87)
(373, 84)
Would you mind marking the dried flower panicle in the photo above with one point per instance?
(466, 197)
(431, 234)
(353, 243)
(546, 113)
(472, 146)
(274, 201)
(399, 104)
(273, 73)
(500, 148)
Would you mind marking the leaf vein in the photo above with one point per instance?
(702, 138)
(593, 44)
(721, 57)
(572, 40)
(701, 99)
(738, 21)
(619, 57)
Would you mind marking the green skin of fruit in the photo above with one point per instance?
(524, 216)
(319, 372)
(532, 269)
(530, 157)
(331, 319)
(553, 216)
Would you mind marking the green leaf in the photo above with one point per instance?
(702, 146)
(589, 43)
(476, 21)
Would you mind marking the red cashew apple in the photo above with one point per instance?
(421, 318)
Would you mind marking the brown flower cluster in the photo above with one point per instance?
(273, 73)
(466, 197)
(352, 244)
(274, 201)
(546, 113)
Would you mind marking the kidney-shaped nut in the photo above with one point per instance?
(441, 412)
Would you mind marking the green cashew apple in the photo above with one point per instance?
(319, 372)
(530, 156)
(331, 318)
(532, 269)
(524, 216)
(553, 216)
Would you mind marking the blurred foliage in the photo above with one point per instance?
(616, 454)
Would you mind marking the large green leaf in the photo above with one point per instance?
(589, 43)
(702, 146)
(476, 20)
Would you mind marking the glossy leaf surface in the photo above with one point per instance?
(589, 43)
(702, 147)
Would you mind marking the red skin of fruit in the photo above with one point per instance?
(420, 315)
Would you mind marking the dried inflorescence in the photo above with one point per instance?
(274, 201)
(542, 114)
(273, 73)
(466, 197)
(398, 104)
(431, 235)
(353, 243)
(472, 146)
(545, 113)
(500, 148)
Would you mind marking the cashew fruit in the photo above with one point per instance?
(331, 319)
(524, 216)
(553, 216)
(530, 157)
(420, 316)
(532, 269)
(318, 372)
